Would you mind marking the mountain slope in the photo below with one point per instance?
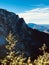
(29, 40)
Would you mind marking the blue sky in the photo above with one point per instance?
(22, 5)
(34, 11)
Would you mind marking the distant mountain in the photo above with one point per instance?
(45, 25)
(43, 28)
(29, 40)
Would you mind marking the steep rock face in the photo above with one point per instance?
(29, 40)
(11, 22)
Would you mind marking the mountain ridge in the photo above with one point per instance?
(43, 28)
(29, 40)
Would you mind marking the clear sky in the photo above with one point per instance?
(34, 11)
